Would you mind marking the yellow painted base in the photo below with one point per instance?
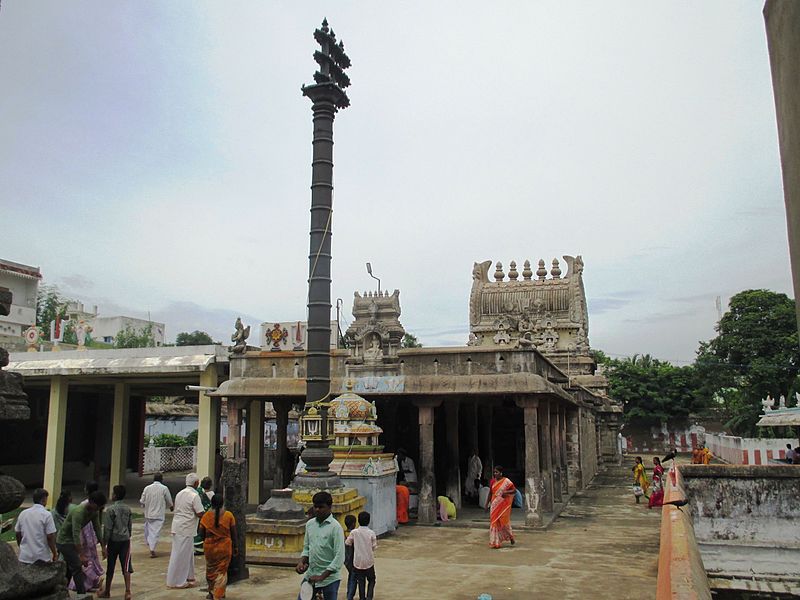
(274, 542)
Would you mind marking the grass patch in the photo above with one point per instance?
(7, 521)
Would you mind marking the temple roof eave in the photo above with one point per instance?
(423, 385)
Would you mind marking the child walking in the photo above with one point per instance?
(117, 529)
(350, 525)
(364, 542)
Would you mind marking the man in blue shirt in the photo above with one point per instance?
(323, 549)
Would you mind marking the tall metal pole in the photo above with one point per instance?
(327, 96)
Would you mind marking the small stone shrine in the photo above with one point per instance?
(359, 459)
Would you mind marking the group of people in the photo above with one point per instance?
(641, 484)
(327, 546)
(701, 455)
(792, 456)
(200, 521)
(73, 533)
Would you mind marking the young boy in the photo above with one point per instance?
(364, 542)
(117, 529)
(350, 525)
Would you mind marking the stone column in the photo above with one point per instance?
(234, 485)
(562, 439)
(234, 428)
(255, 450)
(555, 450)
(533, 477)
(207, 423)
(54, 446)
(427, 501)
(547, 456)
(470, 410)
(573, 446)
(453, 489)
(282, 407)
(119, 436)
(485, 436)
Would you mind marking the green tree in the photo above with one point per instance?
(129, 337)
(754, 354)
(196, 338)
(410, 341)
(652, 391)
(50, 303)
(191, 438)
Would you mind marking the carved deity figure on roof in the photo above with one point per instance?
(374, 351)
(239, 337)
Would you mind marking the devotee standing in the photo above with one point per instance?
(474, 470)
(657, 495)
(188, 510)
(117, 529)
(218, 530)
(640, 479)
(206, 494)
(90, 536)
(69, 540)
(501, 495)
(402, 493)
(63, 506)
(364, 542)
(323, 549)
(36, 531)
(155, 500)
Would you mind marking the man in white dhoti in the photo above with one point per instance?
(155, 500)
(188, 510)
(474, 470)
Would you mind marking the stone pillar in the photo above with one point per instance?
(427, 501)
(255, 450)
(573, 444)
(119, 436)
(533, 477)
(56, 429)
(234, 428)
(282, 407)
(555, 452)
(453, 489)
(485, 436)
(234, 485)
(562, 449)
(207, 423)
(547, 455)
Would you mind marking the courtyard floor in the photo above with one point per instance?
(602, 545)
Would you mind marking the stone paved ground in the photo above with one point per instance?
(602, 546)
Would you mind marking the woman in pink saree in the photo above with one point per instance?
(501, 496)
(657, 495)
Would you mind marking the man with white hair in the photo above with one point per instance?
(188, 510)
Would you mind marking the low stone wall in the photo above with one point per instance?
(745, 504)
(681, 573)
(748, 451)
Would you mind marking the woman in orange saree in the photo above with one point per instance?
(218, 530)
(501, 496)
(403, 496)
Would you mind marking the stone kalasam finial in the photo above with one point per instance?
(513, 274)
(526, 271)
(556, 270)
(541, 272)
(498, 273)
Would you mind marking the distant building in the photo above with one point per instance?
(23, 281)
(105, 329)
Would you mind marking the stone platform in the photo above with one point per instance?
(280, 541)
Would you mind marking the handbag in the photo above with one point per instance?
(638, 491)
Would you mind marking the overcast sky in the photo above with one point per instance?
(156, 157)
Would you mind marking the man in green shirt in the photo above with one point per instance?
(68, 540)
(323, 548)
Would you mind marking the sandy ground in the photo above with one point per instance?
(603, 545)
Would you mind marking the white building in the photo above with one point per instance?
(23, 281)
(105, 329)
